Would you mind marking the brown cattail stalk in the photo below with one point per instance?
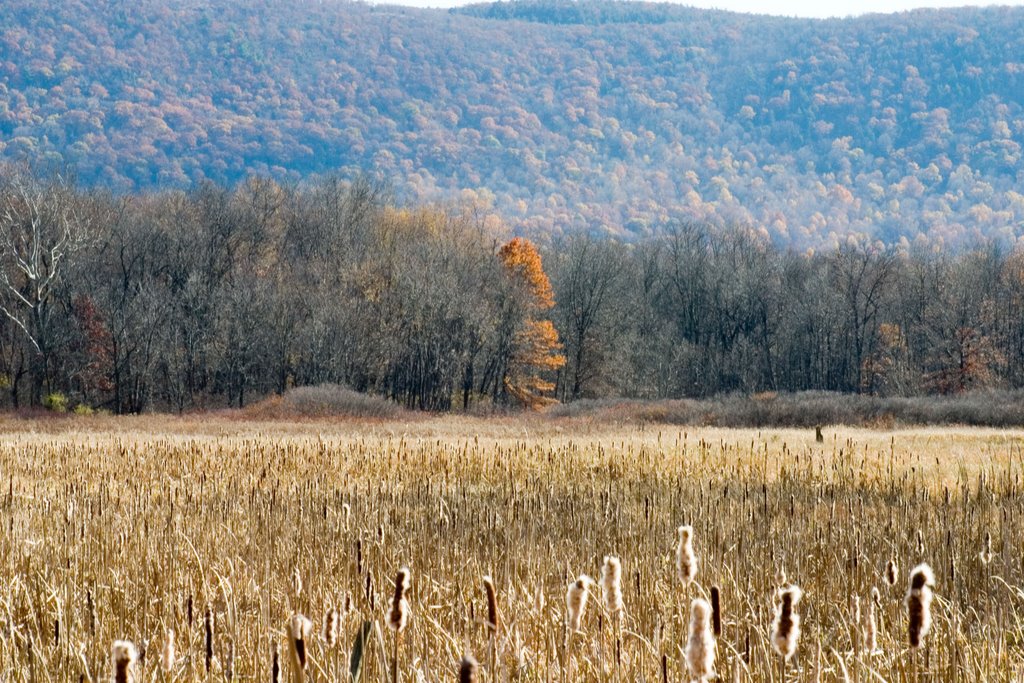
(686, 560)
(275, 663)
(786, 625)
(467, 669)
(329, 631)
(299, 629)
(492, 605)
(124, 657)
(611, 587)
(700, 648)
(716, 611)
(208, 628)
(576, 601)
(919, 604)
(892, 572)
(399, 616)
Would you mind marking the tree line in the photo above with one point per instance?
(223, 296)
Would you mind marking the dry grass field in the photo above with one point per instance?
(221, 530)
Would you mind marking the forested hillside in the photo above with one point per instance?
(563, 116)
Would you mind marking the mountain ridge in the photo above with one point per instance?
(892, 128)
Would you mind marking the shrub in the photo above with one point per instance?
(83, 409)
(56, 402)
(325, 400)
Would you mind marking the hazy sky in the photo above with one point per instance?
(799, 8)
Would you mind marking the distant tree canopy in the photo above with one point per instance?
(617, 118)
(219, 297)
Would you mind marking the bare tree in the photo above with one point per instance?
(42, 226)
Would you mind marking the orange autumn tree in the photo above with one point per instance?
(534, 344)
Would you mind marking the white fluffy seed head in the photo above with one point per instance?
(124, 657)
(398, 617)
(700, 647)
(299, 628)
(686, 560)
(786, 625)
(167, 657)
(611, 586)
(892, 572)
(576, 601)
(329, 632)
(919, 604)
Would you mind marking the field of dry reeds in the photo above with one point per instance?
(270, 551)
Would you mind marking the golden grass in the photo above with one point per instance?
(125, 528)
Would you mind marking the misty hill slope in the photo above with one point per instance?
(610, 116)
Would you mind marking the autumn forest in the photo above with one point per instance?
(221, 297)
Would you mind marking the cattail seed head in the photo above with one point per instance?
(919, 604)
(716, 611)
(892, 571)
(208, 629)
(986, 550)
(871, 623)
(700, 648)
(920, 542)
(780, 577)
(229, 661)
(611, 587)
(576, 601)
(399, 616)
(492, 604)
(167, 657)
(329, 632)
(467, 669)
(786, 625)
(299, 629)
(686, 561)
(275, 663)
(124, 657)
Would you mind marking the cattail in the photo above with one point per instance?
(329, 632)
(986, 551)
(297, 582)
(920, 542)
(229, 661)
(124, 656)
(467, 669)
(919, 604)
(492, 604)
(686, 561)
(700, 649)
(208, 628)
(716, 611)
(576, 601)
(167, 656)
(786, 626)
(871, 623)
(892, 571)
(399, 616)
(275, 664)
(611, 587)
(780, 577)
(299, 628)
